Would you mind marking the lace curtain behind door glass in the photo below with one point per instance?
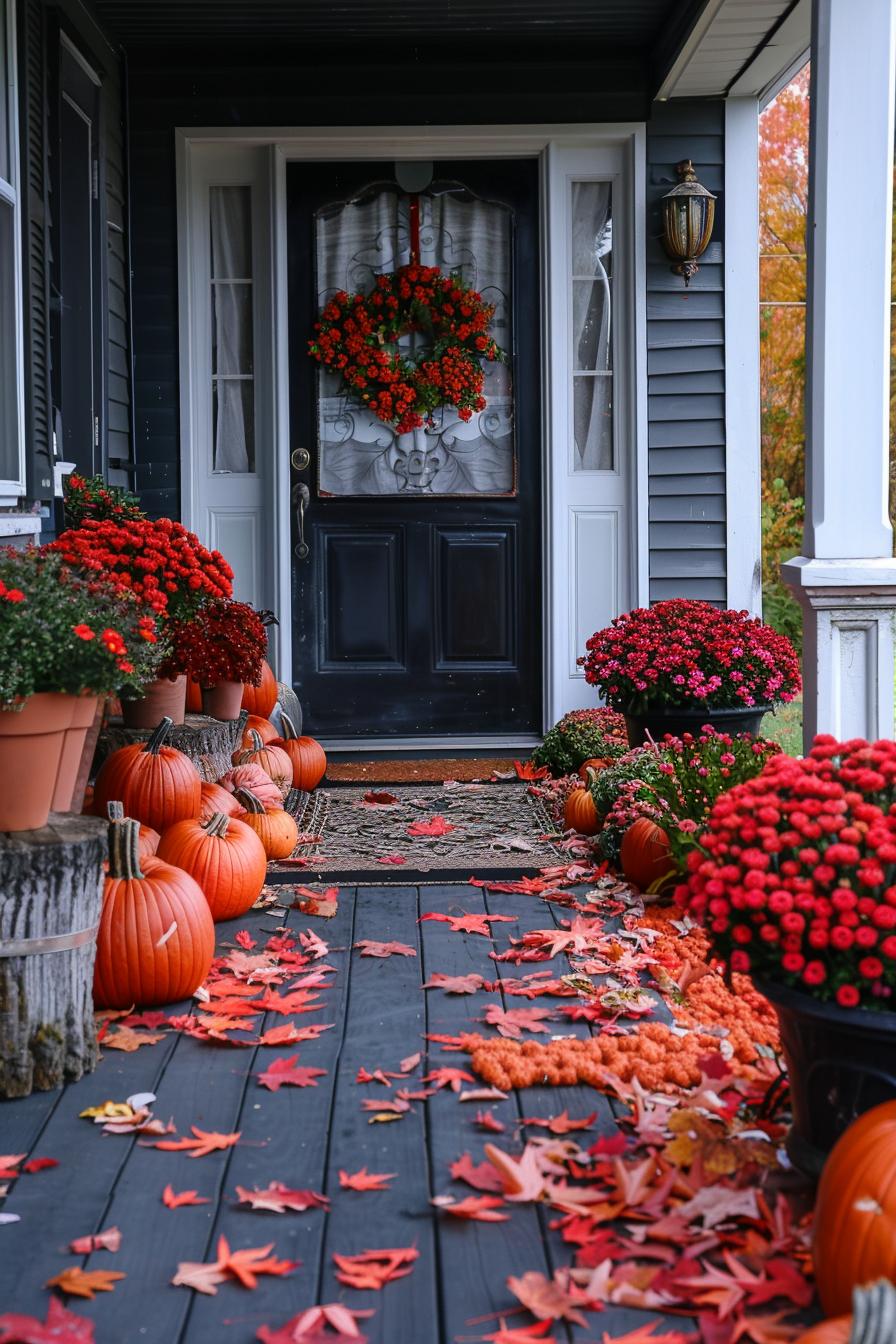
(231, 299)
(591, 278)
(369, 236)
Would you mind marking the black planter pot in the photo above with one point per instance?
(670, 719)
(840, 1063)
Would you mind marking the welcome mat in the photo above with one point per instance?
(432, 771)
(444, 833)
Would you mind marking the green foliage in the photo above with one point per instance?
(580, 735)
(640, 765)
(782, 537)
(90, 497)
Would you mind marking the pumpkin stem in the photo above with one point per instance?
(157, 740)
(217, 824)
(250, 801)
(124, 848)
(255, 739)
(115, 811)
(289, 728)
(590, 777)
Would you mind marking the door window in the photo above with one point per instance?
(233, 346)
(591, 251)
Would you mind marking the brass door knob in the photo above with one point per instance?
(300, 458)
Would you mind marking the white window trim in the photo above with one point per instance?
(286, 145)
(11, 193)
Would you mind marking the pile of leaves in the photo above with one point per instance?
(579, 736)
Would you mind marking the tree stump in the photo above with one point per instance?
(51, 893)
(209, 743)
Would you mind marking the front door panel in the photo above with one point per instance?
(417, 591)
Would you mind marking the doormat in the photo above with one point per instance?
(418, 771)
(449, 832)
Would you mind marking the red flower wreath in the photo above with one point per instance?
(357, 337)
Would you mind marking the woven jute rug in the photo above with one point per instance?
(445, 832)
(431, 771)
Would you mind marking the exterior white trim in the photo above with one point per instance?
(743, 505)
(285, 145)
(15, 487)
(688, 49)
(388, 746)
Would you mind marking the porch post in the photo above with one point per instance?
(846, 578)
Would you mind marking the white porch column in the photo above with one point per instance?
(846, 578)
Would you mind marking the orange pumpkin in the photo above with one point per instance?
(275, 828)
(836, 1331)
(580, 814)
(149, 839)
(309, 761)
(156, 938)
(225, 857)
(855, 1210)
(254, 778)
(262, 698)
(263, 727)
(215, 798)
(272, 759)
(596, 763)
(158, 785)
(645, 854)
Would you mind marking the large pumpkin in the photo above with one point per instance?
(156, 938)
(215, 798)
(595, 763)
(226, 858)
(308, 758)
(262, 698)
(855, 1210)
(273, 760)
(579, 812)
(157, 784)
(275, 828)
(254, 778)
(645, 854)
(254, 724)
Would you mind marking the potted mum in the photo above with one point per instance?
(222, 647)
(681, 664)
(794, 878)
(581, 735)
(66, 638)
(168, 570)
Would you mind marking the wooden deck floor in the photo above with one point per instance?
(303, 1137)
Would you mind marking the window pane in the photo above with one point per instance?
(233, 425)
(4, 97)
(232, 328)
(231, 221)
(9, 418)
(592, 228)
(591, 324)
(593, 423)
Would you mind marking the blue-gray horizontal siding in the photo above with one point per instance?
(686, 369)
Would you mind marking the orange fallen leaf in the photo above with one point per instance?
(374, 1269)
(125, 1038)
(370, 948)
(476, 1208)
(78, 1282)
(200, 1146)
(365, 1180)
(110, 1240)
(173, 1199)
(278, 1198)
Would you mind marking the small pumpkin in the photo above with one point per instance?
(158, 785)
(254, 778)
(308, 758)
(275, 828)
(149, 839)
(215, 798)
(225, 857)
(580, 814)
(836, 1331)
(262, 698)
(854, 1239)
(273, 760)
(156, 937)
(595, 763)
(645, 854)
(263, 727)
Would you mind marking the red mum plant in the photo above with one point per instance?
(581, 735)
(166, 567)
(795, 874)
(685, 653)
(90, 497)
(224, 641)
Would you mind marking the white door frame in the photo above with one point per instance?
(283, 145)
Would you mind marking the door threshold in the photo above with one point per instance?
(384, 746)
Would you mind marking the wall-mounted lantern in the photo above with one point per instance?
(688, 213)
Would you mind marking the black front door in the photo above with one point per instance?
(417, 558)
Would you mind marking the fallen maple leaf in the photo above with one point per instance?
(8, 1165)
(244, 1266)
(370, 948)
(410, 1062)
(529, 770)
(485, 1120)
(374, 1269)
(520, 1334)
(173, 1199)
(475, 1208)
(278, 1198)
(380, 798)
(40, 1164)
(447, 1077)
(464, 923)
(245, 940)
(200, 1145)
(307, 1327)
(553, 1299)
(395, 859)
(125, 1038)
(456, 984)
(562, 1124)
(645, 1335)
(436, 826)
(289, 1034)
(78, 1282)
(284, 1072)
(514, 1021)
(521, 1178)
(365, 1180)
(481, 1177)
(61, 1327)
(110, 1240)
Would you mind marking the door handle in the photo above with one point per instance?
(303, 499)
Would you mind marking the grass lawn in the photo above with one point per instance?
(786, 726)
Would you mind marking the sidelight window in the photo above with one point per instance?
(232, 306)
(12, 446)
(591, 253)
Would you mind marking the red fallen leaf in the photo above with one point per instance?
(485, 1120)
(457, 984)
(374, 1269)
(312, 942)
(475, 1208)
(437, 826)
(464, 923)
(521, 1177)
(410, 1062)
(645, 1335)
(173, 1199)
(296, 1001)
(394, 859)
(370, 948)
(40, 1164)
(378, 1076)
(528, 770)
(285, 1072)
(153, 1018)
(514, 1021)
(8, 1166)
(278, 1198)
(61, 1327)
(614, 1146)
(291, 1035)
(398, 1106)
(366, 1180)
(200, 1146)
(245, 940)
(380, 797)
(110, 1240)
(85, 1282)
(481, 1177)
(452, 1078)
(554, 1299)
(562, 1124)
(310, 1326)
(244, 1266)
(520, 1334)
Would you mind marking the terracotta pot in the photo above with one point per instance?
(161, 699)
(31, 742)
(657, 720)
(223, 701)
(87, 712)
